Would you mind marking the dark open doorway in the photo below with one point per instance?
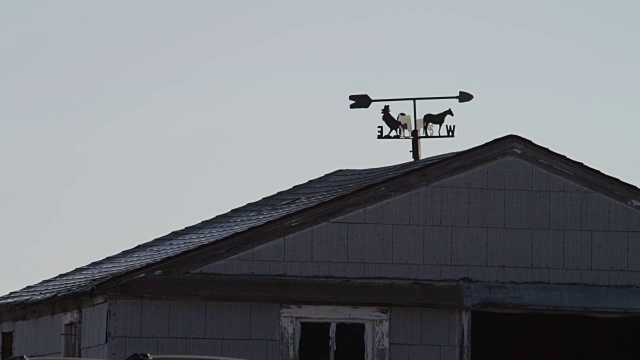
(501, 336)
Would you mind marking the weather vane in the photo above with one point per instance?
(402, 122)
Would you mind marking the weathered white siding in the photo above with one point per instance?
(38, 337)
(507, 221)
(244, 330)
(94, 331)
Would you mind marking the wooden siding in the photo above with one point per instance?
(425, 333)
(38, 337)
(251, 331)
(507, 221)
(244, 330)
(94, 334)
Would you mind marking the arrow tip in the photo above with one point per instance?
(464, 97)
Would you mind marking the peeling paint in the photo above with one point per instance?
(376, 321)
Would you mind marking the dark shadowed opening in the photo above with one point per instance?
(7, 345)
(499, 336)
(349, 341)
(315, 340)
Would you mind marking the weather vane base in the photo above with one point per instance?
(428, 134)
(396, 137)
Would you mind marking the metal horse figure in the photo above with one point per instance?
(437, 119)
(392, 123)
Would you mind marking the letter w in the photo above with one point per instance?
(451, 130)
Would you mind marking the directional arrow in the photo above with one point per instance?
(363, 101)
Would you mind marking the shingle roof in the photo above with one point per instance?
(274, 207)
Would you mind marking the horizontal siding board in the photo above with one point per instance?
(449, 353)
(509, 247)
(564, 276)
(187, 319)
(454, 272)
(419, 352)
(142, 345)
(455, 327)
(228, 320)
(124, 317)
(96, 352)
(265, 321)
(435, 326)
(245, 349)
(486, 273)
(398, 352)
(486, 208)
(155, 319)
(172, 346)
(431, 212)
(609, 250)
(96, 331)
(272, 251)
(424, 272)
(577, 249)
(206, 347)
(547, 249)
(330, 242)
(437, 245)
(469, 246)
(38, 337)
(374, 214)
(455, 209)
(117, 348)
(387, 271)
(417, 206)
(397, 210)
(369, 243)
(565, 210)
(405, 326)
(623, 218)
(633, 251)
(595, 212)
(408, 244)
(299, 246)
(526, 275)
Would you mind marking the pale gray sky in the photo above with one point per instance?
(121, 121)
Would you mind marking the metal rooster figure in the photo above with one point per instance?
(403, 122)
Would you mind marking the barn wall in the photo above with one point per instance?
(252, 330)
(94, 331)
(507, 221)
(38, 337)
(425, 333)
(244, 330)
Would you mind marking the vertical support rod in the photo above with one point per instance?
(415, 140)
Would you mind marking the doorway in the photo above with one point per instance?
(505, 336)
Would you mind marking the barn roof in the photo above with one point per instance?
(291, 207)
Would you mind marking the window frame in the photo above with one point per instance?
(375, 320)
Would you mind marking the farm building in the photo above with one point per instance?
(506, 250)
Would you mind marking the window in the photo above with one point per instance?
(70, 340)
(334, 333)
(7, 345)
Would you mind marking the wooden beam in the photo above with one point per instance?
(291, 290)
(563, 298)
